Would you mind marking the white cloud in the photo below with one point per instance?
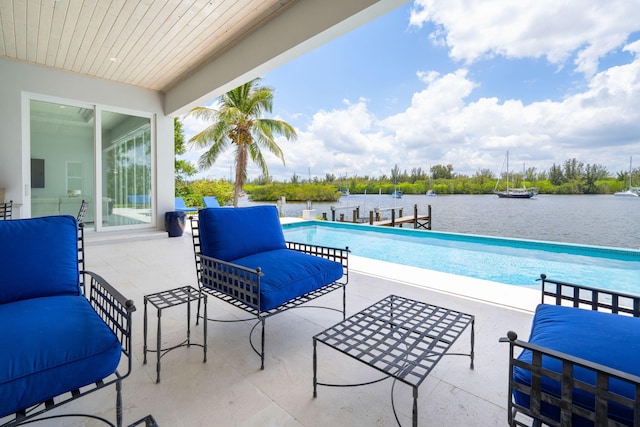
(599, 125)
(340, 142)
(594, 126)
(553, 29)
(444, 124)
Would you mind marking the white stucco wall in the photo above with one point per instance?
(19, 82)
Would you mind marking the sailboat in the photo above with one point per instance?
(513, 192)
(631, 191)
(343, 188)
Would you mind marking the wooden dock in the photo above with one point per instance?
(418, 221)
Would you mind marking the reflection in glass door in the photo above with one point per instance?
(62, 159)
(126, 169)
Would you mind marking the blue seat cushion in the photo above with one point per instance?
(229, 234)
(38, 258)
(51, 345)
(608, 339)
(289, 274)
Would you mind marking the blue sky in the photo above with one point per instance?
(461, 82)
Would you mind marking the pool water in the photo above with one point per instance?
(511, 261)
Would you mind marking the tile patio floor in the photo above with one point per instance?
(231, 390)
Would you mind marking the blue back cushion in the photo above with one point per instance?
(38, 258)
(229, 234)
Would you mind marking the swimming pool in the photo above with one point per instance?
(511, 261)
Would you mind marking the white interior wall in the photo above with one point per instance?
(21, 82)
(57, 150)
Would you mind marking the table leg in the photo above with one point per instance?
(188, 318)
(262, 350)
(315, 369)
(158, 348)
(415, 406)
(205, 327)
(473, 339)
(145, 332)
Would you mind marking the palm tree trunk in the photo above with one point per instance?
(241, 171)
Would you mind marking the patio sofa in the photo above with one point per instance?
(242, 258)
(580, 365)
(47, 206)
(64, 332)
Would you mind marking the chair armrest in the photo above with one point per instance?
(114, 309)
(538, 396)
(232, 282)
(512, 339)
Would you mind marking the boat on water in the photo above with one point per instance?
(631, 191)
(635, 192)
(511, 192)
(396, 194)
(431, 193)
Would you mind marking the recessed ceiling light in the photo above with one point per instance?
(114, 59)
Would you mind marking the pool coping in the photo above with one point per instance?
(494, 293)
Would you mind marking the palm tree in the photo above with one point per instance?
(238, 123)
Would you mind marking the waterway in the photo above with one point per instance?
(599, 220)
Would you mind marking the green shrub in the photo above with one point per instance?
(193, 192)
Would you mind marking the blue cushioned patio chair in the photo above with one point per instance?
(242, 258)
(210, 202)
(579, 366)
(181, 207)
(64, 332)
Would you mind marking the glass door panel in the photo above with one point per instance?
(62, 159)
(126, 169)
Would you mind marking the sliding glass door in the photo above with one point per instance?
(88, 153)
(62, 159)
(126, 168)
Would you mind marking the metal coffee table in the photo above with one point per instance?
(402, 338)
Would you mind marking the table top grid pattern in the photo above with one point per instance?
(400, 337)
(173, 297)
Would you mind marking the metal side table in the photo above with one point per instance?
(173, 298)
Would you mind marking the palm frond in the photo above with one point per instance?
(237, 122)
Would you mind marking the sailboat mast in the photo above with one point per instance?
(508, 178)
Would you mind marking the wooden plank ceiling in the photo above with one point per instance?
(152, 44)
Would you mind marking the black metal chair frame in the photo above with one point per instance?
(83, 210)
(563, 293)
(6, 209)
(117, 312)
(240, 286)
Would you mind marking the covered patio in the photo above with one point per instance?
(121, 69)
(230, 389)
